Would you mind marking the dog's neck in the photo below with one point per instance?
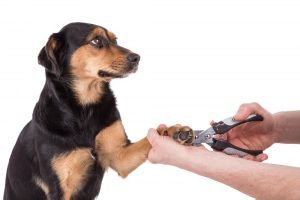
(83, 92)
(59, 107)
(88, 91)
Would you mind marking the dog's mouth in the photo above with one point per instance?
(105, 74)
(123, 74)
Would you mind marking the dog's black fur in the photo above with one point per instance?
(60, 123)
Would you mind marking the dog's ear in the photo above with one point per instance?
(50, 55)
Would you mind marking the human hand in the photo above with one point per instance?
(165, 150)
(253, 135)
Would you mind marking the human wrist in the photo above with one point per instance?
(279, 126)
(286, 127)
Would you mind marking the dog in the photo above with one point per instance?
(76, 131)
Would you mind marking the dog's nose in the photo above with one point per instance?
(133, 58)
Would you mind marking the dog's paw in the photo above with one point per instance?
(182, 134)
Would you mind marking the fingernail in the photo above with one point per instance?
(264, 157)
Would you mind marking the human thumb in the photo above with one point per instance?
(152, 136)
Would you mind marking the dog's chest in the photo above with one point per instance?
(72, 170)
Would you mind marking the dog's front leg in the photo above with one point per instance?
(113, 149)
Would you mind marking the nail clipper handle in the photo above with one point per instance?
(230, 149)
(229, 123)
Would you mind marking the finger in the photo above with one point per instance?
(178, 125)
(261, 157)
(247, 109)
(221, 136)
(161, 126)
(152, 136)
(249, 157)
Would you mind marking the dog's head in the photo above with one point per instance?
(90, 55)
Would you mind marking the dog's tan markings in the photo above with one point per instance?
(86, 62)
(96, 32)
(111, 36)
(113, 151)
(88, 91)
(101, 32)
(72, 170)
(42, 185)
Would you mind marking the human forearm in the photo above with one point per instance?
(287, 127)
(259, 180)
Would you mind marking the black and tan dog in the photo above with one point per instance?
(76, 130)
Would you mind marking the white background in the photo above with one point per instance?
(199, 61)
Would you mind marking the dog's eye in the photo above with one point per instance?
(97, 43)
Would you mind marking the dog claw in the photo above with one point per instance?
(181, 134)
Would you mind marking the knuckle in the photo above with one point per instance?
(250, 107)
(243, 106)
(256, 105)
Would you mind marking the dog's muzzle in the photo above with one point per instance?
(131, 66)
(133, 58)
(133, 61)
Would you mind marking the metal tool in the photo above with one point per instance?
(206, 136)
